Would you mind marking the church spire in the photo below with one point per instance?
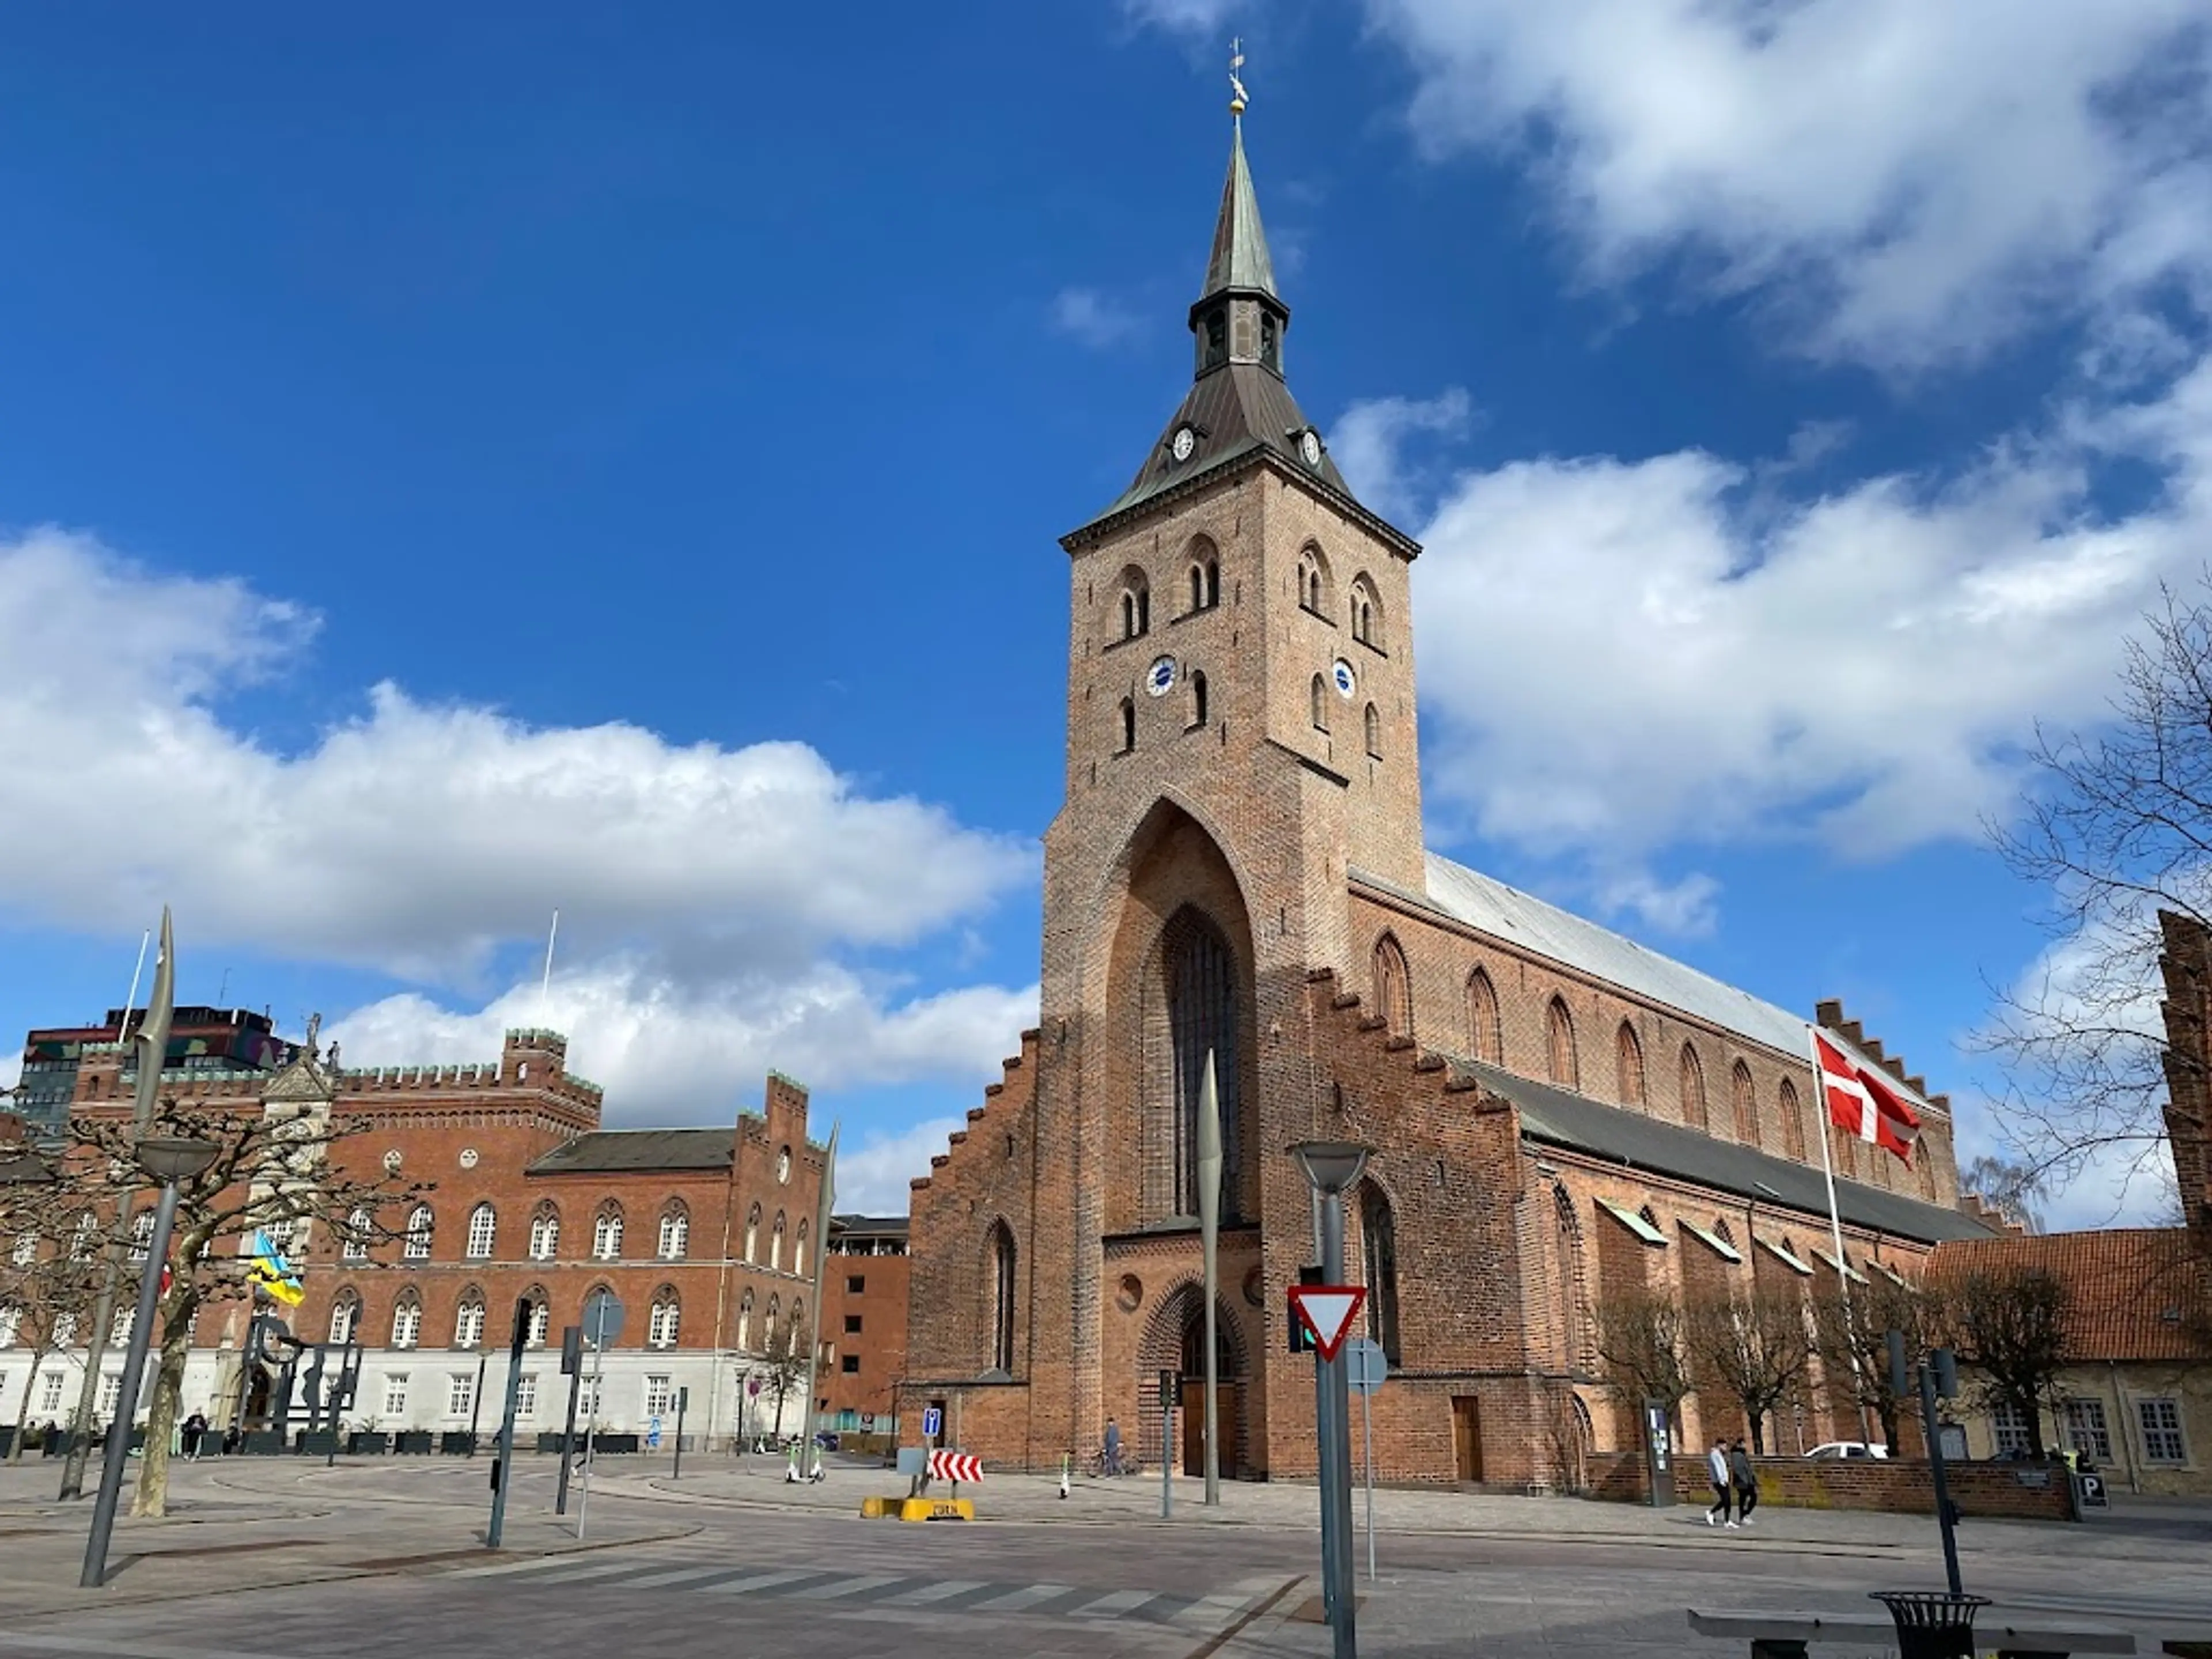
(1239, 318)
(1239, 259)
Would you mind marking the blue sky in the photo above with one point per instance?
(456, 466)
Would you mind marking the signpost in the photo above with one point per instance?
(572, 1367)
(1168, 1389)
(1327, 1309)
(603, 1323)
(683, 1404)
(1366, 1366)
(502, 1467)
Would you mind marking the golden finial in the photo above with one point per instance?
(1237, 96)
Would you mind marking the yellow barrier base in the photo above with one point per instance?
(916, 1508)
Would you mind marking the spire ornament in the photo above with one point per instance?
(1237, 97)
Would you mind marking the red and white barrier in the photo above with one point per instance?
(957, 1467)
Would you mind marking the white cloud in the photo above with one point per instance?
(1687, 907)
(1186, 17)
(872, 1177)
(708, 894)
(1368, 444)
(415, 839)
(1086, 315)
(1911, 182)
(1618, 656)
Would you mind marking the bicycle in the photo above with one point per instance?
(1098, 1467)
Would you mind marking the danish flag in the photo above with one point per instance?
(1862, 1102)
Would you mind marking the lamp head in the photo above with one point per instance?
(173, 1157)
(1330, 1165)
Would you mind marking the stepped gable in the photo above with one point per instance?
(1008, 1098)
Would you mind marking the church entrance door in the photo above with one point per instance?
(1466, 1435)
(1192, 1408)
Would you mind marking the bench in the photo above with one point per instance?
(1787, 1635)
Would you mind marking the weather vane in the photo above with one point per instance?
(1236, 94)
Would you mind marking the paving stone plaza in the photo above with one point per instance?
(287, 1558)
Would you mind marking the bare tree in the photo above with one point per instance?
(2010, 1187)
(1754, 1352)
(2117, 828)
(787, 1363)
(1640, 1348)
(48, 1277)
(1851, 1338)
(271, 1171)
(2008, 1325)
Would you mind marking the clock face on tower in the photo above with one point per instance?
(1182, 443)
(1160, 678)
(1346, 681)
(1310, 447)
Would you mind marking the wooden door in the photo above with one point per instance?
(1192, 1409)
(1466, 1435)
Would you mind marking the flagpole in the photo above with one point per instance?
(1836, 1232)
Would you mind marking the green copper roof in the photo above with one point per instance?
(1239, 258)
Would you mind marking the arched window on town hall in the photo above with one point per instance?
(745, 1321)
(1693, 1089)
(407, 1320)
(1394, 987)
(1559, 1031)
(800, 1259)
(483, 1231)
(769, 1325)
(345, 1314)
(1482, 1024)
(675, 1232)
(607, 1232)
(1202, 1019)
(354, 1236)
(1745, 1103)
(420, 1222)
(545, 1232)
(469, 1319)
(775, 1242)
(752, 1233)
(1793, 1121)
(1378, 1260)
(1628, 1064)
(660, 1323)
(1003, 1294)
(541, 1315)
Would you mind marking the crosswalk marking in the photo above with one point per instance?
(1209, 1611)
(538, 1564)
(936, 1592)
(760, 1581)
(654, 1581)
(1028, 1596)
(1119, 1602)
(843, 1587)
(570, 1574)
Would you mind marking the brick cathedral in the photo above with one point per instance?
(1238, 867)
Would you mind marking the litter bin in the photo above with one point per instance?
(1933, 1623)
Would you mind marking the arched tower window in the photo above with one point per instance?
(1378, 1257)
(1628, 1064)
(1128, 723)
(1374, 723)
(1793, 1123)
(775, 1242)
(1366, 612)
(1319, 698)
(483, 1231)
(1197, 700)
(1202, 1019)
(768, 1325)
(1136, 603)
(1217, 337)
(1003, 1293)
(1482, 1022)
(1693, 1089)
(1313, 580)
(1559, 1026)
(752, 1233)
(1205, 578)
(545, 1232)
(1394, 987)
(1271, 342)
(1745, 1104)
(799, 1258)
(746, 1320)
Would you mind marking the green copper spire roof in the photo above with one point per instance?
(1240, 258)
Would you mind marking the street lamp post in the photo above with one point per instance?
(170, 1160)
(1330, 1167)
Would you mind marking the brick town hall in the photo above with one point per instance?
(1557, 1112)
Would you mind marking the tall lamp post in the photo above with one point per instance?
(170, 1160)
(1330, 1167)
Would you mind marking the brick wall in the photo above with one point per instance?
(1991, 1490)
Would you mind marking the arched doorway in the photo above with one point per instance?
(1175, 1340)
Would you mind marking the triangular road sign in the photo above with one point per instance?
(1329, 1311)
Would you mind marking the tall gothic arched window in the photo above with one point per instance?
(1567, 1071)
(1745, 1103)
(1482, 1018)
(1628, 1063)
(1394, 988)
(1002, 1297)
(1202, 1001)
(1693, 1089)
(1793, 1121)
(1378, 1255)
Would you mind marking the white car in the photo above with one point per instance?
(1848, 1448)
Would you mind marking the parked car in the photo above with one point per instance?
(1848, 1448)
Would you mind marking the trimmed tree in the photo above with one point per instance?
(2008, 1325)
(1752, 1351)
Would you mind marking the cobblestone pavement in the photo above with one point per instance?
(285, 1558)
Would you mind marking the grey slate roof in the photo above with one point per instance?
(1236, 410)
(1239, 258)
(610, 1152)
(1560, 1117)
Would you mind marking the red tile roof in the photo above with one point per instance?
(2136, 1292)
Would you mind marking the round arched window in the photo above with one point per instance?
(783, 1164)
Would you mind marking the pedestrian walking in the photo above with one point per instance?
(1746, 1480)
(1718, 1471)
(196, 1427)
(1113, 1446)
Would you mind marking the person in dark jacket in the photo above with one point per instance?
(1717, 1470)
(195, 1429)
(1745, 1480)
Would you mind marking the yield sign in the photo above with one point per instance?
(1327, 1311)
